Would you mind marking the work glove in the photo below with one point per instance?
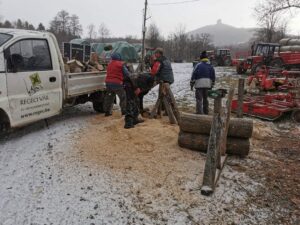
(192, 83)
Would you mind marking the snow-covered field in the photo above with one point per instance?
(46, 179)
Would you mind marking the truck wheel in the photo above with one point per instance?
(98, 106)
(4, 128)
(277, 63)
(240, 70)
(214, 62)
(256, 68)
(4, 123)
(296, 115)
(227, 62)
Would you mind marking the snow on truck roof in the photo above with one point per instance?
(20, 32)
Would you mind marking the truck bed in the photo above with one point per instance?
(77, 84)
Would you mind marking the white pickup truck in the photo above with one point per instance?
(33, 82)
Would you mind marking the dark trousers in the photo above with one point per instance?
(132, 108)
(201, 100)
(110, 97)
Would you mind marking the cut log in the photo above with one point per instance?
(201, 124)
(199, 142)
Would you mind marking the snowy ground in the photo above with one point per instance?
(71, 173)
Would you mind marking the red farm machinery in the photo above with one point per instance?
(278, 94)
(270, 54)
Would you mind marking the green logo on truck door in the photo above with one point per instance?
(36, 84)
(35, 79)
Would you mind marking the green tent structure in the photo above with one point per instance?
(138, 47)
(126, 50)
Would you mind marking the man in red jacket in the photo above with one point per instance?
(116, 71)
(162, 68)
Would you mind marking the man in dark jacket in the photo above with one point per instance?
(116, 71)
(132, 110)
(162, 68)
(203, 79)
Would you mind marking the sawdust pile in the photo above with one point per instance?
(147, 158)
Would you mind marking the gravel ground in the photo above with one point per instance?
(75, 172)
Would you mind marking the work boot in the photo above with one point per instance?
(128, 124)
(108, 114)
(136, 121)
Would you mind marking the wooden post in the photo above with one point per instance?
(218, 113)
(213, 159)
(166, 99)
(224, 131)
(169, 110)
(172, 100)
(240, 97)
(154, 111)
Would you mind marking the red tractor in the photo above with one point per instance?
(268, 54)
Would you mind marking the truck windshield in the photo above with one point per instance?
(4, 38)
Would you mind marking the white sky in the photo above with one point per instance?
(124, 17)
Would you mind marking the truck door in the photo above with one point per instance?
(33, 86)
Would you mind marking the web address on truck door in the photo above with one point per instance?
(37, 113)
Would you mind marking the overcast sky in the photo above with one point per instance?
(124, 17)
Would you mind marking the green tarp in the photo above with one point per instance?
(126, 50)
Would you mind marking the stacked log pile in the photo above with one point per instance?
(289, 44)
(195, 131)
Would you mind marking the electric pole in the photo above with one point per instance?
(144, 35)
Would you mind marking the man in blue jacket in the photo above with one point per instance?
(203, 79)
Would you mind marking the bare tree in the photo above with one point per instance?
(64, 19)
(274, 6)
(153, 37)
(180, 39)
(75, 27)
(272, 26)
(206, 40)
(91, 32)
(65, 27)
(103, 32)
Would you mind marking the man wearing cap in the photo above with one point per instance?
(116, 71)
(203, 79)
(162, 68)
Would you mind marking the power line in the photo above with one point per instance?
(174, 3)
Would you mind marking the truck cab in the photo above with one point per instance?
(33, 83)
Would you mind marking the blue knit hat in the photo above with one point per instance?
(116, 56)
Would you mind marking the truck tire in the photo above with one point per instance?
(276, 63)
(4, 123)
(240, 70)
(255, 68)
(97, 99)
(98, 106)
(227, 62)
(214, 62)
(296, 116)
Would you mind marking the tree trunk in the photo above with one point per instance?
(199, 142)
(201, 124)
